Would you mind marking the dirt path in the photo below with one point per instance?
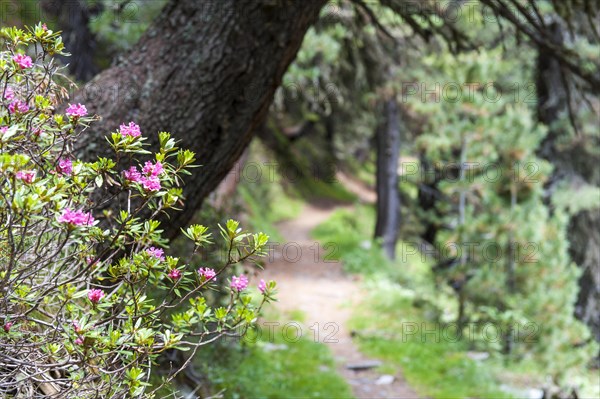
(325, 295)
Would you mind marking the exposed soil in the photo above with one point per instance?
(325, 295)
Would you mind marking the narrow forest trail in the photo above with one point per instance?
(325, 295)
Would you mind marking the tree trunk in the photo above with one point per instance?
(577, 166)
(206, 71)
(388, 200)
(585, 251)
(72, 17)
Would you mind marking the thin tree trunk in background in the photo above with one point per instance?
(577, 166)
(206, 71)
(72, 17)
(388, 199)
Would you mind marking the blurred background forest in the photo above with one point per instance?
(441, 159)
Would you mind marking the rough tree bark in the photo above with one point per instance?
(577, 166)
(388, 199)
(206, 71)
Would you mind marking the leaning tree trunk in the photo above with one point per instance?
(206, 71)
(576, 165)
(388, 198)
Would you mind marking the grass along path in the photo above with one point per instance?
(313, 284)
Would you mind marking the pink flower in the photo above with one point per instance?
(91, 261)
(151, 183)
(9, 93)
(76, 326)
(174, 274)
(3, 129)
(132, 130)
(23, 61)
(207, 273)
(239, 283)
(7, 326)
(26, 175)
(95, 295)
(152, 170)
(76, 218)
(44, 27)
(18, 106)
(262, 286)
(79, 341)
(65, 166)
(156, 253)
(133, 175)
(76, 110)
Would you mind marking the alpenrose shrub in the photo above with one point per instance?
(88, 298)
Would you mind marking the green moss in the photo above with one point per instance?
(312, 189)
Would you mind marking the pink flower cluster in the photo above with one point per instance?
(95, 295)
(133, 174)
(149, 179)
(239, 283)
(174, 274)
(156, 253)
(23, 61)
(77, 326)
(262, 286)
(151, 169)
(7, 326)
(90, 260)
(151, 183)
(76, 218)
(65, 166)
(18, 106)
(25, 175)
(76, 110)
(9, 93)
(132, 129)
(207, 273)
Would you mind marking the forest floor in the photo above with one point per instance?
(319, 289)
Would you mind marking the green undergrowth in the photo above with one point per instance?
(350, 230)
(403, 297)
(274, 365)
(402, 333)
(430, 357)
